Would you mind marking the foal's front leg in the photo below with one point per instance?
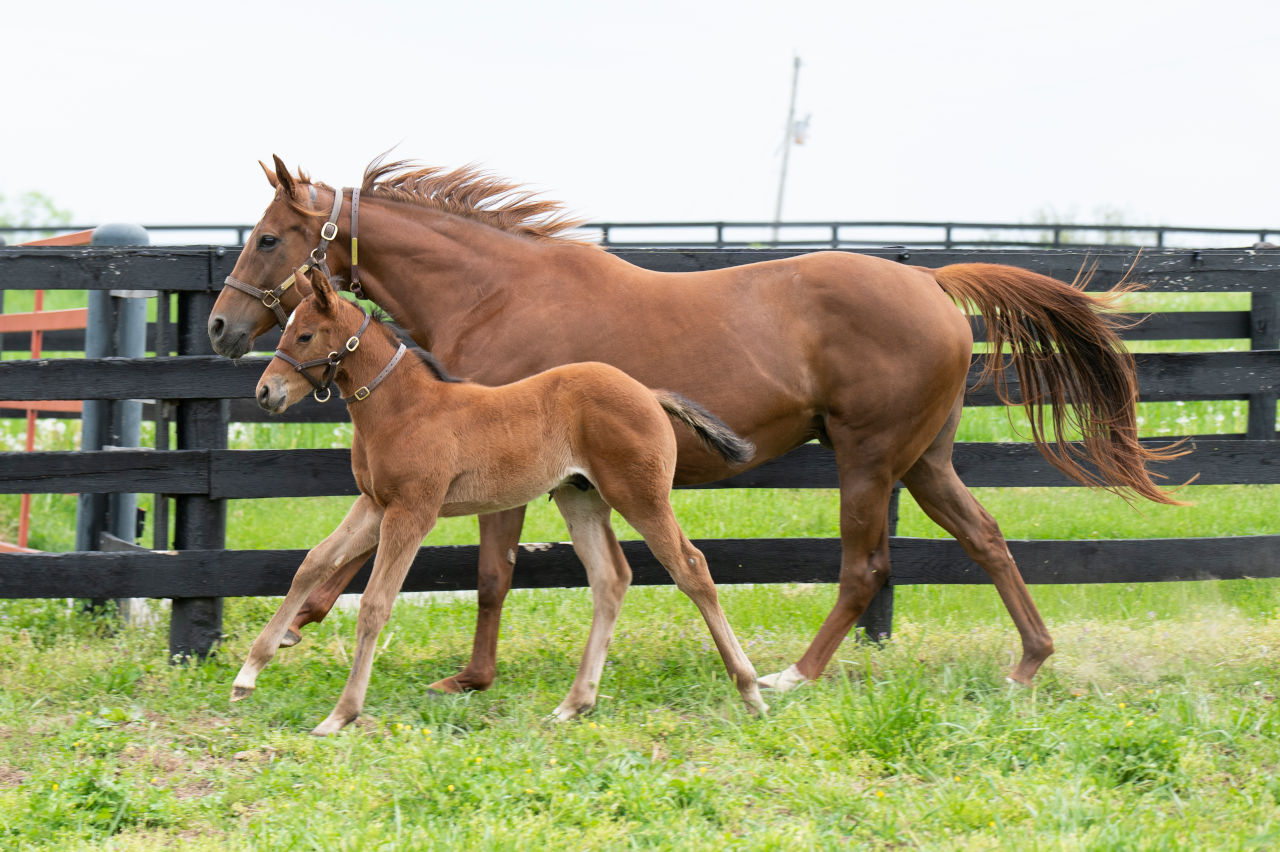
(401, 533)
(357, 533)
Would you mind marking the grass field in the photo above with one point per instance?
(1155, 726)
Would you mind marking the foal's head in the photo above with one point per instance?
(322, 330)
(282, 240)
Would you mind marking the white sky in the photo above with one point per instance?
(156, 112)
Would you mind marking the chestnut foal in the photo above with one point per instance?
(426, 445)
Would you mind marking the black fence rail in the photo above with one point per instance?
(806, 234)
(205, 393)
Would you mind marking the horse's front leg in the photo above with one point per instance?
(358, 533)
(401, 533)
(499, 541)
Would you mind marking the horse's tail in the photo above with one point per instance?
(710, 429)
(1069, 359)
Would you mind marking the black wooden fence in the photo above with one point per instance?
(205, 392)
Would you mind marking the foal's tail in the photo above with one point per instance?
(711, 429)
(1068, 358)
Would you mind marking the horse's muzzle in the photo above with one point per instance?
(228, 343)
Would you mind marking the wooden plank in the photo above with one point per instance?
(75, 238)
(1170, 376)
(105, 472)
(203, 268)
(105, 268)
(44, 320)
(220, 573)
(1162, 376)
(250, 474)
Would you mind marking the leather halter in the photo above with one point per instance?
(331, 362)
(328, 233)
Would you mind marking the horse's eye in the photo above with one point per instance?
(267, 241)
(305, 338)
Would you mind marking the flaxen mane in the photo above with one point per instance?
(470, 192)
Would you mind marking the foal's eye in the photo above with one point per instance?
(304, 338)
(267, 241)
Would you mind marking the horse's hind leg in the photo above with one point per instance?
(944, 498)
(357, 533)
(608, 574)
(652, 517)
(499, 540)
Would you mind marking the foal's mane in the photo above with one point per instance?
(470, 192)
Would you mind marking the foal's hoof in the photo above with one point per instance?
(291, 638)
(783, 681)
(755, 702)
(331, 725)
(240, 693)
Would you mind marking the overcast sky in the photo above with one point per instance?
(1160, 112)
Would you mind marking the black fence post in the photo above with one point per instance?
(1264, 333)
(195, 626)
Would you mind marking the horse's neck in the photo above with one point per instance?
(430, 269)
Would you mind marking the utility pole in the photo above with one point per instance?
(786, 147)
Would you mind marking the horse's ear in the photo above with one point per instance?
(283, 176)
(271, 176)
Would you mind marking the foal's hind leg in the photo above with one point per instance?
(945, 499)
(358, 533)
(649, 511)
(608, 574)
(499, 541)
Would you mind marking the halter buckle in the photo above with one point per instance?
(270, 300)
(361, 393)
(329, 231)
(353, 343)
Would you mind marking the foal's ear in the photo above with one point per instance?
(282, 177)
(320, 288)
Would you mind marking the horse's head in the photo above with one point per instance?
(260, 291)
(323, 329)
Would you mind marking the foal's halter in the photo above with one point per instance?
(331, 362)
(328, 233)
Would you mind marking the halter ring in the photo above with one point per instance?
(327, 393)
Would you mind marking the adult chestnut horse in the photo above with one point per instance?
(865, 355)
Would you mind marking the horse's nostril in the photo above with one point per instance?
(216, 327)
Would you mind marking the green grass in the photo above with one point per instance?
(1155, 726)
(1146, 731)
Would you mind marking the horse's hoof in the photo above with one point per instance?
(783, 681)
(291, 638)
(448, 686)
(240, 693)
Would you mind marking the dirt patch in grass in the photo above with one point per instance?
(11, 777)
